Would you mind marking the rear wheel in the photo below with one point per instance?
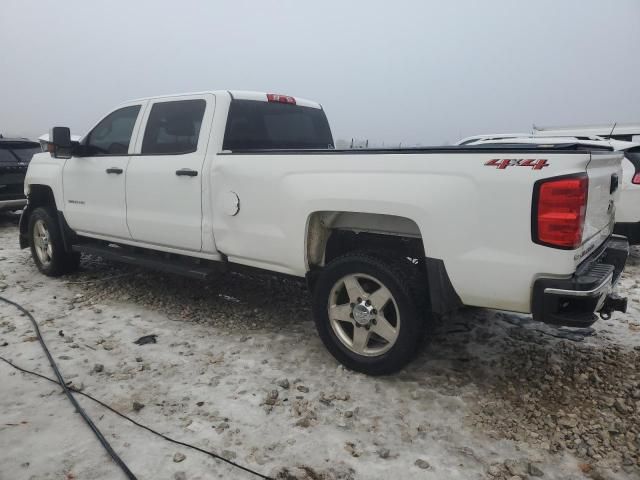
(47, 248)
(368, 312)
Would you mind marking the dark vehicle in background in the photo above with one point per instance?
(15, 155)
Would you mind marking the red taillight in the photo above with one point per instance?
(636, 179)
(560, 207)
(274, 97)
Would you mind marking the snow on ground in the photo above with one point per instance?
(239, 370)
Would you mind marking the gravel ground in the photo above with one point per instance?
(238, 369)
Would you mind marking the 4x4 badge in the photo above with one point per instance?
(502, 163)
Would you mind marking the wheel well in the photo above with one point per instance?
(40, 195)
(331, 234)
(345, 241)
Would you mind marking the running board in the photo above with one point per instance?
(169, 265)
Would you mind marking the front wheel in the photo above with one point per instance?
(368, 312)
(47, 248)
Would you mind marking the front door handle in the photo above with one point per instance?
(115, 170)
(187, 172)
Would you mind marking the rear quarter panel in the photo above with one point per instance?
(476, 218)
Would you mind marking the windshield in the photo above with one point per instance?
(256, 125)
(6, 155)
(25, 152)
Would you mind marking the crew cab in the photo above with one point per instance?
(386, 239)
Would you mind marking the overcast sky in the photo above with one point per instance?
(412, 71)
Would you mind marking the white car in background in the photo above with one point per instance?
(629, 132)
(628, 206)
(45, 142)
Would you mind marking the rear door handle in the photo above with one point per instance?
(186, 172)
(115, 170)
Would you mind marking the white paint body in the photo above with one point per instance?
(476, 218)
(627, 206)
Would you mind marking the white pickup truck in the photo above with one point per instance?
(385, 238)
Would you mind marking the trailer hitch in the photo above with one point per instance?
(613, 303)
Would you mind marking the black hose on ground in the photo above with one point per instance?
(68, 391)
(116, 458)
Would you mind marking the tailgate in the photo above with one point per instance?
(605, 179)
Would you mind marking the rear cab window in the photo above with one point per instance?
(259, 125)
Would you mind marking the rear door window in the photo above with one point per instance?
(256, 125)
(173, 128)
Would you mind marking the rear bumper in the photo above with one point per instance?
(574, 301)
(631, 230)
(15, 204)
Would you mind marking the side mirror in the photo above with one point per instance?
(60, 142)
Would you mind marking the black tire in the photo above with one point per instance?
(60, 261)
(407, 290)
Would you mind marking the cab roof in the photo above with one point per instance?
(239, 95)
